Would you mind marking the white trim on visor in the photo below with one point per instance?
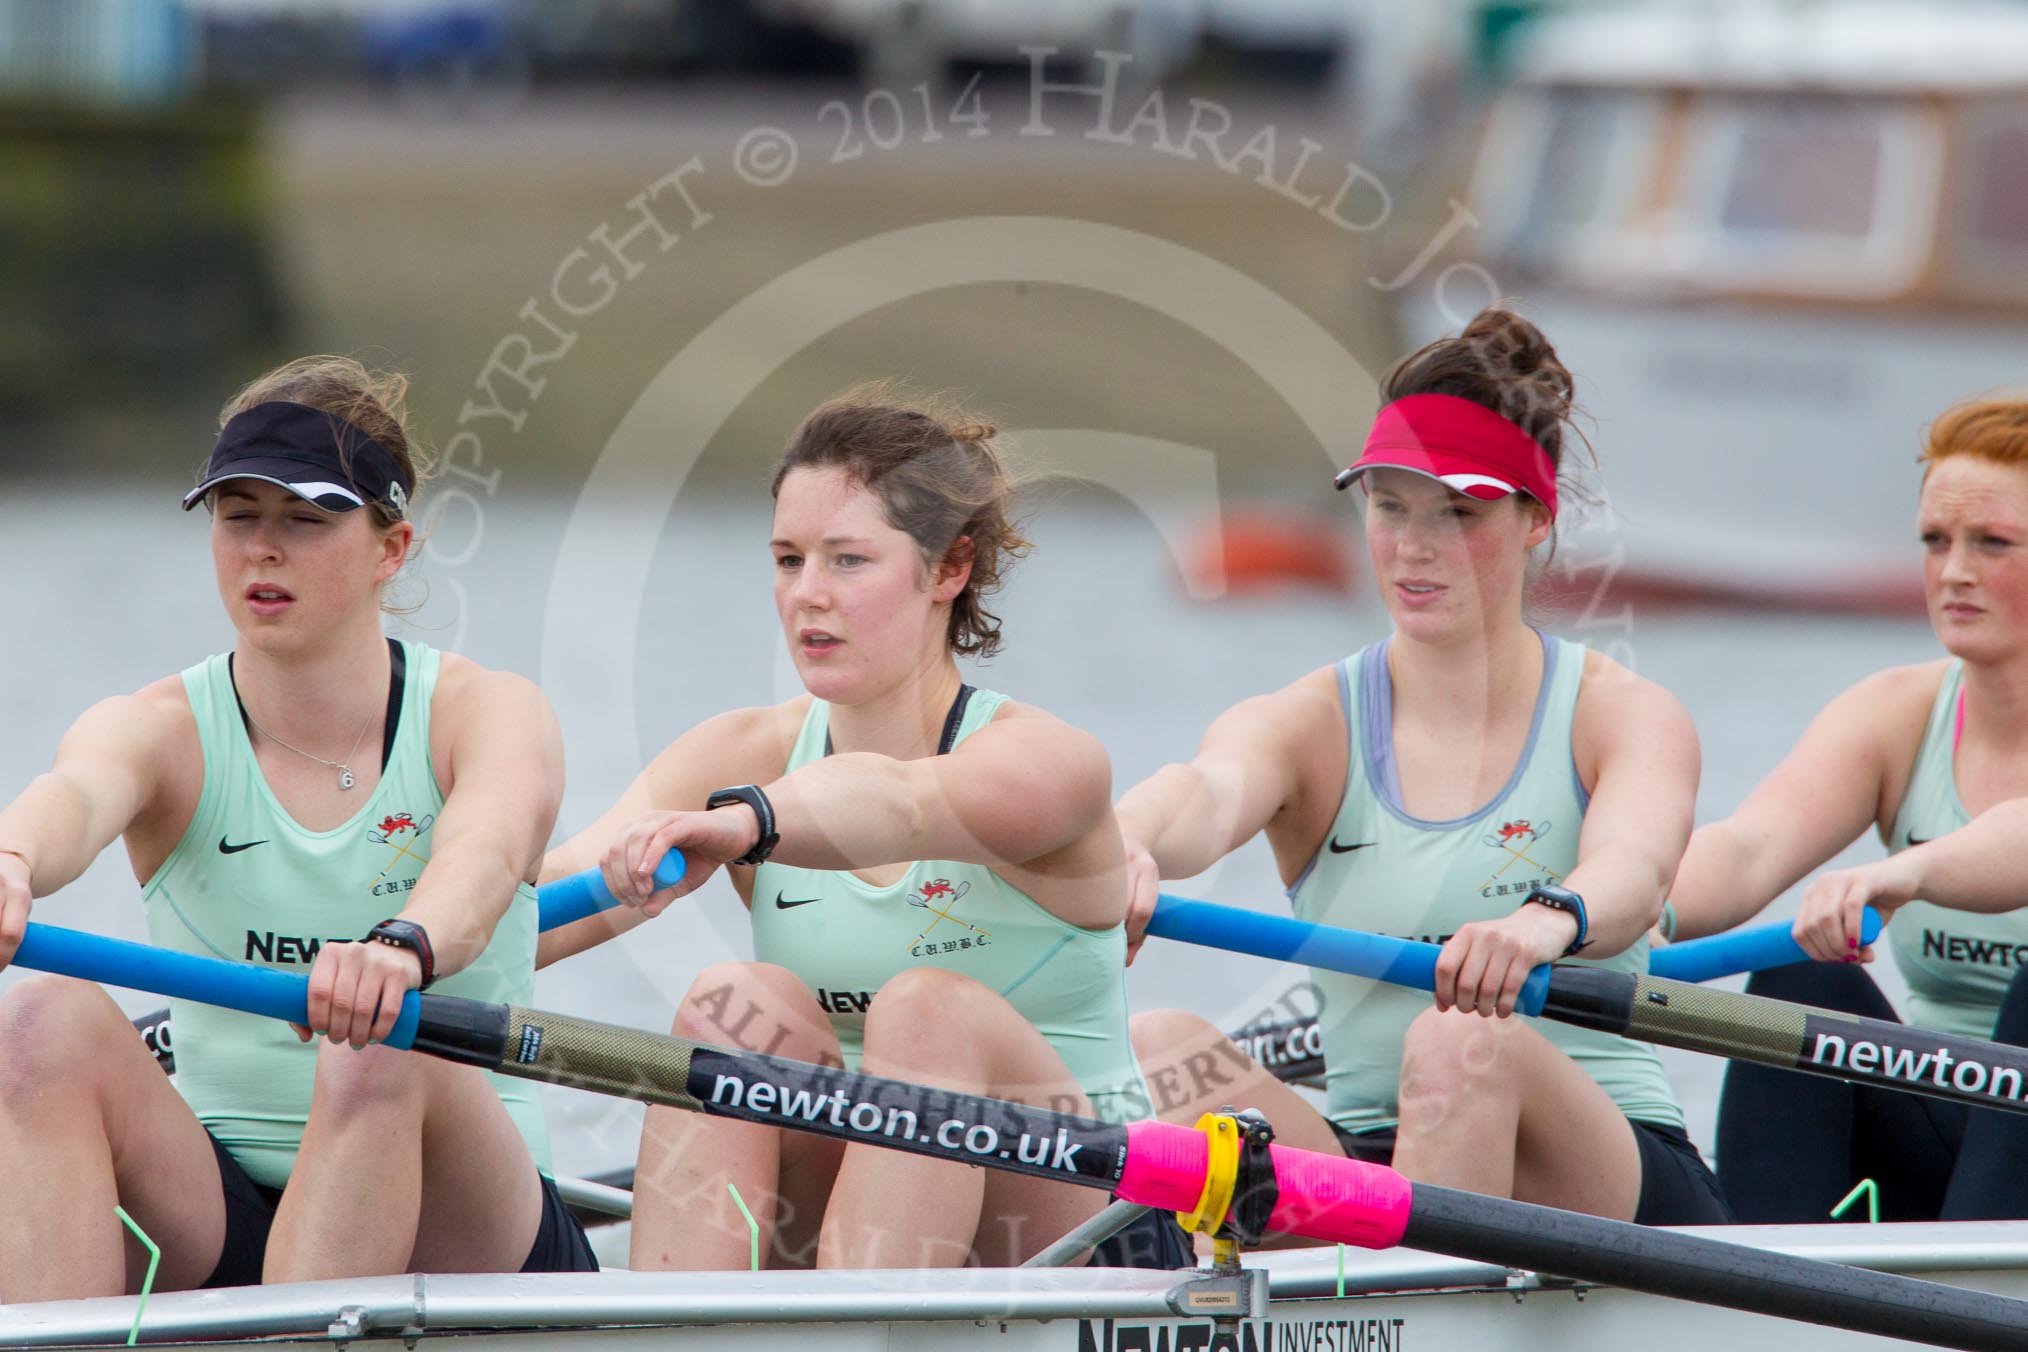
(308, 491)
(1463, 483)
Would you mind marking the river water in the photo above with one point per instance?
(112, 587)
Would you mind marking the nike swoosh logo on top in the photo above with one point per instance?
(224, 848)
(1914, 841)
(1336, 848)
(781, 905)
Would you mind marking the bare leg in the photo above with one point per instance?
(1491, 1106)
(407, 1164)
(1192, 1068)
(684, 1217)
(894, 1210)
(87, 1121)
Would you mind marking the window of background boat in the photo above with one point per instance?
(1563, 169)
(1805, 195)
(1991, 205)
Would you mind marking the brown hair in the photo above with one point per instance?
(939, 479)
(376, 402)
(1991, 429)
(1501, 362)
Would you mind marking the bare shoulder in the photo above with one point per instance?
(1037, 727)
(1305, 711)
(1615, 690)
(151, 720)
(1900, 695)
(461, 681)
(750, 744)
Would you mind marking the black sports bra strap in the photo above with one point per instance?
(951, 722)
(397, 678)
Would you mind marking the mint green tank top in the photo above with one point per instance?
(249, 884)
(1957, 963)
(1382, 869)
(845, 938)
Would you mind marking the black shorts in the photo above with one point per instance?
(1152, 1240)
(560, 1243)
(1677, 1186)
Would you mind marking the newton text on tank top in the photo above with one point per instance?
(1957, 963)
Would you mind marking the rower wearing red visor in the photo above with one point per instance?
(1467, 780)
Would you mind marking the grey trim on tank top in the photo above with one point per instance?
(1376, 709)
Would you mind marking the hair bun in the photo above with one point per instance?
(971, 430)
(1501, 362)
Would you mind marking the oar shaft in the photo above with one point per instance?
(1972, 1071)
(1689, 1267)
(1153, 1163)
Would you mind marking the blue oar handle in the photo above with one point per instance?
(1401, 962)
(1746, 950)
(185, 976)
(582, 894)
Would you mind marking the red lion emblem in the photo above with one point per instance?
(400, 821)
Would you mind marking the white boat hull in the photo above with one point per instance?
(1395, 1302)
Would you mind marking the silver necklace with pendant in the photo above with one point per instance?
(344, 767)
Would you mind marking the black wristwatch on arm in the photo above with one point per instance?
(763, 811)
(407, 934)
(1563, 899)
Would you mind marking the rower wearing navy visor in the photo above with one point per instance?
(321, 797)
(1468, 780)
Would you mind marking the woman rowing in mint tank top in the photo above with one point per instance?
(1914, 754)
(1466, 780)
(934, 875)
(321, 798)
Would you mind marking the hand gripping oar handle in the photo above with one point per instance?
(562, 901)
(581, 894)
(1743, 950)
(1153, 1163)
(1824, 1042)
(1399, 962)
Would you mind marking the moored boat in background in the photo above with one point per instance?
(1775, 241)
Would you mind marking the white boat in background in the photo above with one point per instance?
(1773, 241)
(1302, 1301)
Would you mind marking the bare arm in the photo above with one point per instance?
(1821, 798)
(506, 768)
(1643, 805)
(1981, 867)
(1027, 793)
(105, 775)
(1247, 771)
(1636, 744)
(720, 751)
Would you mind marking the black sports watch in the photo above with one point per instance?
(1563, 899)
(751, 795)
(407, 934)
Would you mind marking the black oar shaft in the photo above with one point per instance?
(773, 1091)
(1966, 1070)
(1687, 1267)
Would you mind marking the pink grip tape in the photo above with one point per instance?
(1165, 1166)
(1340, 1200)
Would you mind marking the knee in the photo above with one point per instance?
(757, 1006)
(1170, 1034)
(914, 1015)
(368, 1082)
(53, 1030)
(1448, 1054)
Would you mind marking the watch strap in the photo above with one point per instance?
(407, 934)
(764, 813)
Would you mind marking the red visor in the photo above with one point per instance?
(1463, 445)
